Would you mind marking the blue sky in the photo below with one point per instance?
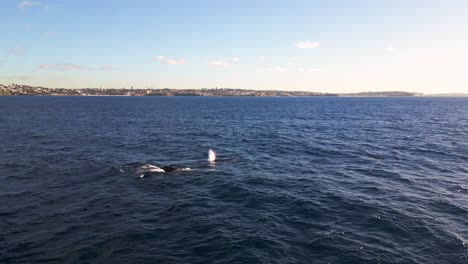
(327, 46)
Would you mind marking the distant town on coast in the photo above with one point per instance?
(19, 89)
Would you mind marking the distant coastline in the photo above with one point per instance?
(447, 95)
(19, 89)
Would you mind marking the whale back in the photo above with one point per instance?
(148, 168)
(169, 168)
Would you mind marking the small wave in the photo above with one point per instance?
(462, 188)
(385, 174)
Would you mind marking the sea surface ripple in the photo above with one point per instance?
(301, 180)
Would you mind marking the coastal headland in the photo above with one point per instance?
(19, 89)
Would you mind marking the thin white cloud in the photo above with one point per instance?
(289, 69)
(19, 78)
(309, 70)
(108, 68)
(75, 67)
(276, 69)
(171, 61)
(307, 44)
(49, 34)
(222, 63)
(26, 4)
(391, 49)
(218, 63)
(64, 67)
(16, 51)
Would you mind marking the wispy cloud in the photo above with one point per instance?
(108, 68)
(19, 78)
(307, 44)
(276, 69)
(64, 67)
(309, 70)
(49, 34)
(16, 51)
(26, 4)
(75, 67)
(391, 49)
(221, 63)
(289, 69)
(168, 60)
(218, 63)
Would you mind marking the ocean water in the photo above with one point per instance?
(298, 180)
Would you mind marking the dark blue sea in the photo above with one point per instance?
(297, 180)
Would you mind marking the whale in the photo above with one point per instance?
(149, 169)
